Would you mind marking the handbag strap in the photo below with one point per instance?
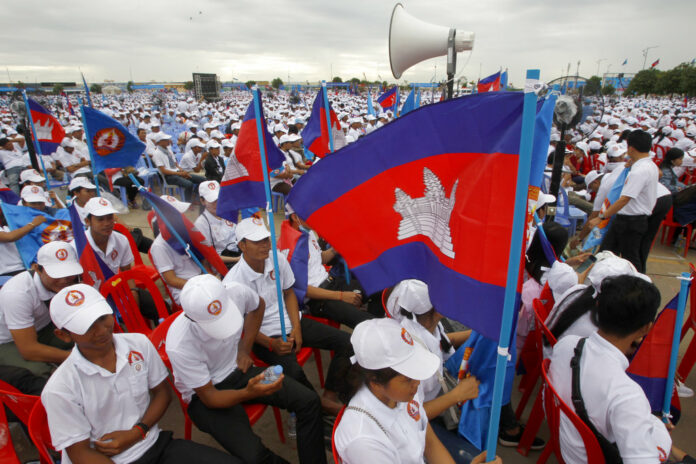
(361, 410)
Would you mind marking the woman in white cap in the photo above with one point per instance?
(219, 232)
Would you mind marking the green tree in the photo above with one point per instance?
(643, 83)
(593, 85)
(354, 80)
(188, 85)
(276, 83)
(669, 82)
(95, 88)
(608, 90)
(688, 80)
(337, 79)
(129, 86)
(250, 84)
(57, 89)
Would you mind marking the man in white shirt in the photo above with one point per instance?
(255, 270)
(14, 162)
(209, 346)
(26, 332)
(635, 204)
(73, 161)
(165, 161)
(104, 402)
(616, 405)
(82, 190)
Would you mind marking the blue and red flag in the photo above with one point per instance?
(67, 103)
(242, 184)
(388, 100)
(7, 195)
(295, 245)
(597, 235)
(193, 239)
(87, 95)
(409, 104)
(490, 83)
(650, 364)
(95, 270)
(113, 145)
(436, 207)
(316, 133)
(49, 132)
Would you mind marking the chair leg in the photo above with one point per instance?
(320, 367)
(187, 427)
(533, 425)
(527, 393)
(279, 424)
(688, 360)
(688, 240)
(545, 454)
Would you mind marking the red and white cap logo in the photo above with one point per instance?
(215, 307)
(103, 202)
(406, 336)
(62, 254)
(35, 189)
(212, 186)
(257, 221)
(74, 298)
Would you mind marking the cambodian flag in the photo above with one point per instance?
(597, 235)
(56, 227)
(388, 99)
(295, 244)
(490, 83)
(242, 184)
(113, 145)
(193, 240)
(650, 364)
(87, 95)
(49, 132)
(316, 133)
(67, 103)
(435, 206)
(655, 63)
(409, 104)
(95, 270)
(7, 195)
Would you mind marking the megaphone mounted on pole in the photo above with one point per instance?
(412, 41)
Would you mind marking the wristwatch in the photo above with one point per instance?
(602, 216)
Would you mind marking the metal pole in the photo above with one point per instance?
(681, 306)
(92, 157)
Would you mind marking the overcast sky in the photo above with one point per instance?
(309, 39)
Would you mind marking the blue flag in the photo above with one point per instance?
(418, 96)
(504, 80)
(597, 235)
(625, 62)
(370, 106)
(89, 98)
(57, 227)
(7, 195)
(409, 104)
(113, 145)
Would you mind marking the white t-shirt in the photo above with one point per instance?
(85, 401)
(68, 159)
(615, 404)
(605, 186)
(118, 253)
(220, 233)
(23, 306)
(198, 358)
(189, 161)
(163, 158)
(14, 158)
(359, 439)
(264, 284)
(315, 268)
(164, 258)
(10, 260)
(640, 187)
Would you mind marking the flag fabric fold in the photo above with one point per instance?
(87, 95)
(49, 132)
(113, 145)
(7, 195)
(295, 245)
(370, 106)
(490, 83)
(242, 183)
(403, 205)
(95, 270)
(597, 234)
(409, 103)
(316, 134)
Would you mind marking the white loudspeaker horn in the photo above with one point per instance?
(412, 41)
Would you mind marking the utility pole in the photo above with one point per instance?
(645, 53)
(598, 62)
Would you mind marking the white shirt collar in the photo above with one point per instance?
(89, 368)
(604, 344)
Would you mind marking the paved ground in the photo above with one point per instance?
(663, 267)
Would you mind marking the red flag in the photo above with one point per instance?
(655, 63)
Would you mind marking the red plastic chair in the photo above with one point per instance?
(546, 297)
(554, 405)
(689, 358)
(7, 451)
(138, 263)
(660, 152)
(40, 434)
(670, 225)
(174, 305)
(337, 458)
(117, 288)
(385, 297)
(21, 405)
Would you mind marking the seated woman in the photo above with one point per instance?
(683, 196)
(217, 231)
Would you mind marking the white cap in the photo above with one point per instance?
(595, 145)
(560, 278)
(252, 229)
(30, 175)
(205, 301)
(411, 295)
(33, 194)
(544, 199)
(159, 136)
(209, 190)
(283, 139)
(293, 138)
(591, 177)
(609, 265)
(81, 182)
(67, 142)
(227, 143)
(59, 259)
(212, 144)
(195, 142)
(382, 343)
(75, 308)
(617, 150)
(180, 206)
(555, 137)
(99, 206)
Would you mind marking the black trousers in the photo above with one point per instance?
(169, 451)
(314, 335)
(131, 189)
(625, 237)
(231, 428)
(662, 207)
(339, 311)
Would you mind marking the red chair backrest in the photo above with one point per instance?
(542, 329)
(337, 458)
(117, 288)
(385, 297)
(546, 297)
(40, 434)
(158, 337)
(553, 406)
(19, 403)
(7, 451)
(174, 305)
(120, 228)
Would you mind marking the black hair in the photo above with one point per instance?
(445, 344)
(4, 141)
(536, 259)
(357, 376)
(672, 154)
(625, 304)
(640, 140)
(292, 130)
(582, 302)
(659, 135)
(624, 135)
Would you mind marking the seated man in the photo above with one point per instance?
(615, 404)
(82, 190)
(255, 270)
(98, 401)
(26, 331)
(328, 296)
(209, 346)
(165, 161)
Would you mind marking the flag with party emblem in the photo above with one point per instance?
(316, 134)
(56, 227)
(49, 132)
(113, 145)
(295, 245)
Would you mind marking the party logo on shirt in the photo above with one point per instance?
(62, 254)
(108, 140)
(114, 255)
(136, 360)
(662, 454)
(272, 274)
(58, 230)
(215, 307)
(74, 298)
(171, 199)
(413, 409)
(229, 223)
(406, 336)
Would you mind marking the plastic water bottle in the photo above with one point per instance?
(272, 373)
(680, 245)
(292, 426)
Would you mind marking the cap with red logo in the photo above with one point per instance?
(33, 194)
(181, 206)
(75, 308)
(205, 301)
(209, 190)
(59, 259)
(252, 229)
(99, 206)
(382, 343)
